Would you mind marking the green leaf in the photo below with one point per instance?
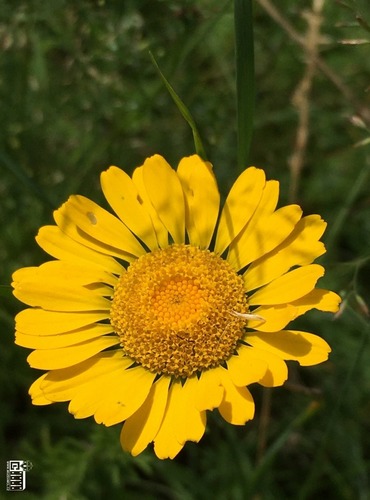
(245, 86)
(183, 110)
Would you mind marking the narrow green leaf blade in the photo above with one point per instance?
(183, 110)
(245, 86)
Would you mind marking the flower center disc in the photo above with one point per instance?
(173, 310)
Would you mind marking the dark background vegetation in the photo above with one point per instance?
(78, 93)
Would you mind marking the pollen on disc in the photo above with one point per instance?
(172, 310)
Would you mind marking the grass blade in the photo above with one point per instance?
(245, 86)
(183, 110)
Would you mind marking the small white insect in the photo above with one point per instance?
(250, 317)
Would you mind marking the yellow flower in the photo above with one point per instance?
(170, 309)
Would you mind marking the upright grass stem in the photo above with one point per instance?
(245, 86)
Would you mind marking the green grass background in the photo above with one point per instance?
(78, 93)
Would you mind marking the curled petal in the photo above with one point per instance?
(237, 406)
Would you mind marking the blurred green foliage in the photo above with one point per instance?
(78, 92)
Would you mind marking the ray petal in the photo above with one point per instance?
(122, 195)
(277, 371)
(202, 199)
(244, 369)
(289, 287)
(299, 249)
(323, 300)
(209, 390)
(65, 383)
(35, 321)
(263, 233)
(239, 207)
(65, 297)
(141, 428)
(160, 230)
(124, 394)
(60, 246)
(165, 443)
(306, 348)
(90, 225)
(237, 406)
(37, 394)
(54, 359)
(166, 195)
(62, 340)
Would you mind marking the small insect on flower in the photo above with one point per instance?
(248, 316)
(142, 319)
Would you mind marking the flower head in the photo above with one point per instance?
(168, 308)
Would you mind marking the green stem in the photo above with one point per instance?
(245, 86)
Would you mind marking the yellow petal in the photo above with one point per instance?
(237, 406)
(239, 207)
(289, 287)
(54, 359)
(182, 421)
(277, 371)
(62, 298)
(37, 394)
(160, 230)
(141, 428)
(57, 271)
(244, 369)
(165, 193)
(122, 195)
(306, 348)
(40, 322)
(165, 443)
(63, 384)
(265, 207)
(59, 245)
(202, 199)
(264, 233)
(300, 248)
(209, 390)
(124, 393)
(275, 317)
(189, 422)
(86, 399)
(323, 300)
(62, 340)
(88, 224)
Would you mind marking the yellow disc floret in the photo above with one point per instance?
(173, 310)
